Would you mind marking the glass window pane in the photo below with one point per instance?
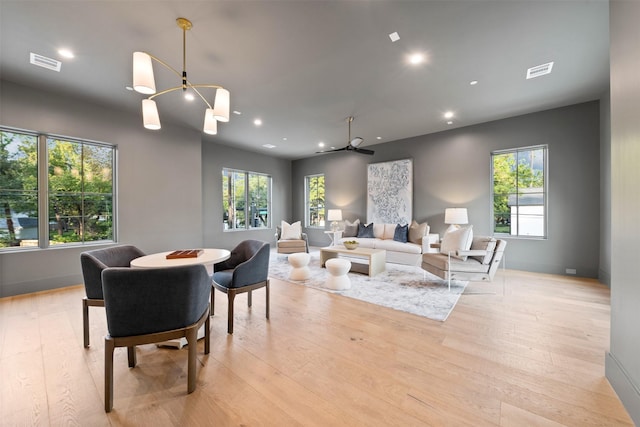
(18, 189)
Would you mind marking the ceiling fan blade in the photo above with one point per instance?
(363, 151)
(332, 151)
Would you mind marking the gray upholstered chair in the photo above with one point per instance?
(93, 262)
(151, 305)
(290, 246)
(479, 263)
(246, 269)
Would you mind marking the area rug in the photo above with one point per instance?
(400, 287)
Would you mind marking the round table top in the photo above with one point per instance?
(210, 256)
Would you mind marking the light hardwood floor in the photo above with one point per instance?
(531, 357)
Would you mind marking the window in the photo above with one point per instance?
(519, 191)
(314, 201)
(246, 200)
(71, 201)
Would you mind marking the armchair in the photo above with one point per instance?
(479, 263)
(93, 262)
(290, 246)
(246, 269)
(150, 305)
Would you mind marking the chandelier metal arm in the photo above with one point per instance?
(192, 86)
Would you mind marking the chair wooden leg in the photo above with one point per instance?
(85, 321)
(109, 346)
(192, 348)
(131, 355)
(207, 334)
(232, 295)
(249, 298)
(213, 300)
(267, 290)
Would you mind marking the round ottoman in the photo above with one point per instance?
(299, 261)
(338, 269)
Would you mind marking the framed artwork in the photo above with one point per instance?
(390, 192)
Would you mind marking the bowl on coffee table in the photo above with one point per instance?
(350, 244)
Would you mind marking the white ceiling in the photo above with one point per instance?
(304, 66)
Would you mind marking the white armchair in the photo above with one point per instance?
(479, 263)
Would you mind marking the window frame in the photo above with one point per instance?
(307, 202)
(248, 197)
(544, 191)
(43, 192)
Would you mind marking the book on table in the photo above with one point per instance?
(185, 253)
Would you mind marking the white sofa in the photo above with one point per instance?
(409, 253)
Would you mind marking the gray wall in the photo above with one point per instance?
(159, 188)
(623, 359)
(605, 189)
(215, 157)
(452, 168)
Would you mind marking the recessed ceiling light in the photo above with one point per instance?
(320, 144)
(284, 139)
(473, 82)
(449, 122)
(448, 114)
(66, 53)
(394, 36)
(416, 58)
(378, 137)
(128, 88)
(236, 112)
(268, 146)
(257, 122)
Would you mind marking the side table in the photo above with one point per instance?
(334, 236)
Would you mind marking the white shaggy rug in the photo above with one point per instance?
(400, 287)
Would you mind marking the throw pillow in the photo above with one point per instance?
(389, 231)
(351, 228)
(378, 231)
(417, 232)
(401, 233)
(291, 231)
(458, 240)
(365, 230)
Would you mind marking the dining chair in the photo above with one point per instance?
(246, 269)
(93, 262)
(151, 305)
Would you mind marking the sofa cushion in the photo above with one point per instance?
(351, 228)
(389, 231)
(484, 243)
(291, 231)
(457, 240)
(401, 233)
(417, 232)
(378, 230)
(393, 246)
(365, 230)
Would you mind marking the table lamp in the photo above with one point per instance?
(455, 217)
(334, 215)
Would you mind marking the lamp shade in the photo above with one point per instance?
(221, 105)
(143, 80)
(456, 216)
(150, 116)
(210, 122)
(334, 215)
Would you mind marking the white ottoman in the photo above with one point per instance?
(338, 269)
(300, 262)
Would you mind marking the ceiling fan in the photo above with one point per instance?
(352, 145)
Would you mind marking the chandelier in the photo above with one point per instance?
(144, 82)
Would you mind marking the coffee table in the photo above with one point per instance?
(375, 257)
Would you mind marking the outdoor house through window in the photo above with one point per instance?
(519, 191)
(314, 201)
(246, 200)
(54, 190)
